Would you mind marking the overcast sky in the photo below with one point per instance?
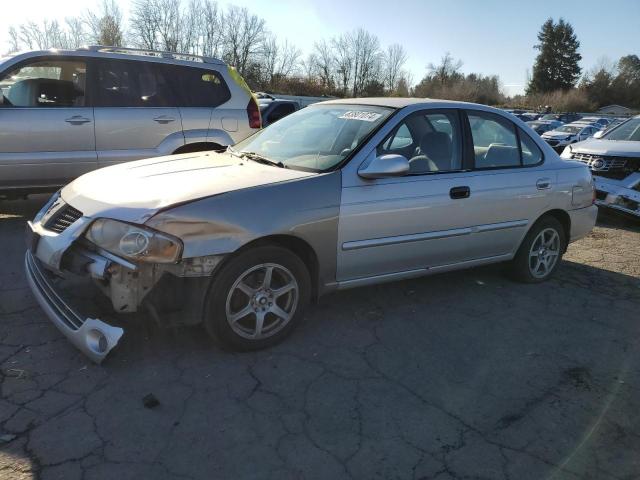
(489, 36)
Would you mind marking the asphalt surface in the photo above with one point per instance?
(462, 375)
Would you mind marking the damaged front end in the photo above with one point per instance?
(617, 181)
(145, 272)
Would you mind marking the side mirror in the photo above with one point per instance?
(384, 166)
(598, 134)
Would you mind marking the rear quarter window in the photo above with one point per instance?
(199, 87)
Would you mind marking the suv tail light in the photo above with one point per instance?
(253, 112)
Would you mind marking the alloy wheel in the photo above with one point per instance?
(544, 253)
(262, 301)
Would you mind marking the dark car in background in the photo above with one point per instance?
(273, 110)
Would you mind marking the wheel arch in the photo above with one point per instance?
(198, 147)
(298, 246)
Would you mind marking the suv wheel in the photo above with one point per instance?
(541, 251)
(257, 298)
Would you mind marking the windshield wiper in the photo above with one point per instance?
(256, 157)
(233, 152)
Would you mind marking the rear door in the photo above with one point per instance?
(46, 128)
(136, 111)
(510, 187)
(200, 92)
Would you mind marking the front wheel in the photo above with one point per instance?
(541, 251)
(257, 298)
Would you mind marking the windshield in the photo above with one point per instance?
(569, 129)
(629, 130)
(549, 117)
(316, 138)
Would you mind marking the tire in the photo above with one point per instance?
(240, 295)
(541, 251)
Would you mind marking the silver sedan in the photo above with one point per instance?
(337, 195)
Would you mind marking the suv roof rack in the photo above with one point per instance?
(188, 57)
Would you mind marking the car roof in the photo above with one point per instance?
(400, 102)
(139, 54)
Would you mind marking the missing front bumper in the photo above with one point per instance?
(91, 336)
(622, 195)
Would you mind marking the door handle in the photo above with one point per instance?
(459, 192)
(543, 183)
(163, 119)
(77, 120)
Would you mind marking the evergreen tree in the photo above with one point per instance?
(556, 66)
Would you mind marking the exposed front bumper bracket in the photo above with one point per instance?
(91, 336)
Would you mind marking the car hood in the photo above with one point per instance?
(557, 135)
(597, 146)
(135, 191)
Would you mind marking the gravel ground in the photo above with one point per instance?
(462, 375)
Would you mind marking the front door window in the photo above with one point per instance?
(45, 84)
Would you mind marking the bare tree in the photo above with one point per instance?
(393, 62)
(325, 62)
(143, 24)
(365, 52)
(211, 31)
(106, 26)
(244, 33)
(14, 40)
(343, 61)
(446, 70)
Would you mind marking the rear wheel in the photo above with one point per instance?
(257, 298)
(541, 251)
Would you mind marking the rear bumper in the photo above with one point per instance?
(582, 222)
(91, 336)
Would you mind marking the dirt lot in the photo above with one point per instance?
(463, 375)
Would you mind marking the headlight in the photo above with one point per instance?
(134, 242)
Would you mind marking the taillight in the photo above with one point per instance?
(253, 112)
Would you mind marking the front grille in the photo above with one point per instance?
(62, 219)
(553, 143)
(600, 195)
(599, 163)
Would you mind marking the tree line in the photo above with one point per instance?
(354, 63)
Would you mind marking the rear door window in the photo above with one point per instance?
(133, 84)
(498, 143)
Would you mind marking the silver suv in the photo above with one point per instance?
(64, 113)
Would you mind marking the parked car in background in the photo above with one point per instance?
(561, 117)
(567, 134)
(601, 122)
(541, 126)
(273, 110)
(66, 112)
(614, 160)
(330, 197)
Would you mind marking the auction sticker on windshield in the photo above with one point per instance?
(364, 116)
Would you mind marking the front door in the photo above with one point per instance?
(136, 112)
(46, 128)
(415, 222)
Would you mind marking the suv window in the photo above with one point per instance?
(133, 84)
(197, 87)
(430, 140)
(45, 83)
